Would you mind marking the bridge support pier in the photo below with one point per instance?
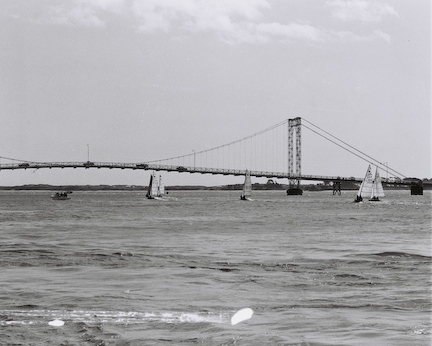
(336, 188)
(417, 188)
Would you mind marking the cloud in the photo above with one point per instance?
(291, 31)
(361, 10)
(76, 15)
(351, 37)
(378, 34)
(219, 16)
(232, 21)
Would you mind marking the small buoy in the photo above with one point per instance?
(241, 315)
(56, 323)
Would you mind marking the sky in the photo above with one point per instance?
(135, 81)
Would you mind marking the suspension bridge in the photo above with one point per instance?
(275, 152)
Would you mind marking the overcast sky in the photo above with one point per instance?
(139, 80)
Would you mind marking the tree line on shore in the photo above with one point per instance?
(270, 185)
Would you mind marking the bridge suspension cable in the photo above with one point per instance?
(242, 152)
(224, 145)
(270, 151)
(11, 159)
(378, 163)
(263, 149)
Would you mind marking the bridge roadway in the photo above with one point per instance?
(181, 169)
(168, 168)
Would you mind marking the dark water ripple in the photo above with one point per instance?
(121, 270)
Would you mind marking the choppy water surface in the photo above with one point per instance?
(119, 269)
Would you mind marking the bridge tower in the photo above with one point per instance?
(294, 182)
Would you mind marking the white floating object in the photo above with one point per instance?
(56, 323)
(241, 315)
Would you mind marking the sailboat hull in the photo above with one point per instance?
(358, 199)
(59, 198)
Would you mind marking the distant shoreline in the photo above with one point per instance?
(135, 187)
(235, 187)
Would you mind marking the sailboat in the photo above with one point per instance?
(247, 188)
(156, 187)
(365, 189)
(377, 189)
(153, 187)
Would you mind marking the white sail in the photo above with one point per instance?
(247, 187)
(377, 189)
(365, 189)
(153, 187)
(161, 187)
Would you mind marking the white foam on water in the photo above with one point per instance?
(57, 317)
(5, 323)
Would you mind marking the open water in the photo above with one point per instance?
(119, 269)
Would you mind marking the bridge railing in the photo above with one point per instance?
(181, 169)
(169, 168)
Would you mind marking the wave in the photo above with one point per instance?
(399, 254)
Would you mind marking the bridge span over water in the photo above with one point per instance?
(184, 169)
(275, 152)
(171, 168)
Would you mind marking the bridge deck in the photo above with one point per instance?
(180, 169)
